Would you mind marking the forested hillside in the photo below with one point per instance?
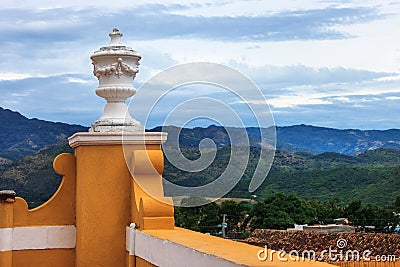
(311, 162)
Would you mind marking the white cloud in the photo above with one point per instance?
(306, 66)
(20, 94)
(352, 93)
(11, 76)
(291, 101)
(79, 80)
(393, 98)
(389, 78)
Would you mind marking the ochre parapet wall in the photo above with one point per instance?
(110, 210)
(181, 247)
(44, 236)
(109, 196)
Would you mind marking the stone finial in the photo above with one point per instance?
(116, 66)
(115, 36)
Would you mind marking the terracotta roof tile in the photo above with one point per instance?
(377, 243)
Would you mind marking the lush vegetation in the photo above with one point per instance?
(364, 177)
(33, 177)
(280, 211)
(374, 185)
(371, 177)
(293, 210)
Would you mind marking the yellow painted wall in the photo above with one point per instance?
(103, 205)
(6, 258)
(99, 196)
(60, 208)
(236, 252)
(44, 258)
(143, 263)
(108, 200)
(6, 221)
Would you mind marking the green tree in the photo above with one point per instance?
(397, 204)
(281, 211)
(266, 216)
(203, 218)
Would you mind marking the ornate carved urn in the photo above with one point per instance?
(115, 66)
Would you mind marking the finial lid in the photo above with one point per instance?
(115, 47)
(115, 37)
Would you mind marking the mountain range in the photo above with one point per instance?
(21, 136)
(312, 162)
(297, 138)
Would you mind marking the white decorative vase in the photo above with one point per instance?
(116, 66)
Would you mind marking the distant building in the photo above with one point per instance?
(330, 228)
(297, 227)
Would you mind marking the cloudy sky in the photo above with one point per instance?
(325, 63)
